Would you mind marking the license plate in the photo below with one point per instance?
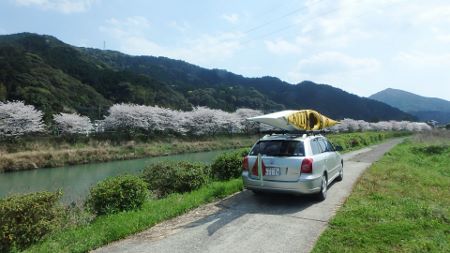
(272, 171)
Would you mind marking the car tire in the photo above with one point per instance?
(256, 192)
(322, 195)
(341, 174)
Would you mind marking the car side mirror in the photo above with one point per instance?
(338, 148)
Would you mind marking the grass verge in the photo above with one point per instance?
(400, 204)
(357, 140)
(113, 227)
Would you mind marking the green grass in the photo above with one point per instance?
(113, 227)
(357, 140)
(400, 204)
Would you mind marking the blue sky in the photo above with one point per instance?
(359, 46)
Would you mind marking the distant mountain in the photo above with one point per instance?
(424, 108)
(56, 77)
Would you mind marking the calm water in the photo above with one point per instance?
(75, 181)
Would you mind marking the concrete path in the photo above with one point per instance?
(246, 222)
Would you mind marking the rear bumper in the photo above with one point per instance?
(304, 185)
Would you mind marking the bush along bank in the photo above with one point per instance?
(117, 194)
(119, 210)
(171, 177)
(26, 219)
(228, 165)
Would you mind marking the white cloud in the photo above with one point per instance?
(180, 26)
(436, 14)
(423, 60)
(332, 66)
(132, 36)
(441, 35)
(64, 6)
(130, 26)
(282, 47)
(202, 50)
(443, 38)
(208, 48)
(340, 23)
(352, 74)
(231, 18)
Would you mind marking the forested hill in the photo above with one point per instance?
(55, 76)
(424, 108)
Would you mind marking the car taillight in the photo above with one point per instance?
(255, 168)
(245, 163)
(306, 166)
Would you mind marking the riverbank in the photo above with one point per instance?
(50, 154)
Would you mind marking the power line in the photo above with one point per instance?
(224, 40)
(289, 26)
(280, 18)
(313, 18)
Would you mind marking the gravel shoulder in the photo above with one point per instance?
(245, 222)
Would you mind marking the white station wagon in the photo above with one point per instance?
(302, 164)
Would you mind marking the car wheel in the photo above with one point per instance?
(341, 175)
(322, 195)
(256, 192)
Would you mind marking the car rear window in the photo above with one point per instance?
(279, 148)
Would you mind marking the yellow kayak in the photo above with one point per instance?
(296, 120)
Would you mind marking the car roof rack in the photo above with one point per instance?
(295, 134)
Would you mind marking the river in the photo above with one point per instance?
(76, 180)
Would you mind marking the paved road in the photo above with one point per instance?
(246, 222)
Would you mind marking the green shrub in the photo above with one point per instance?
(116, 194)
(228, 165)
(25, 219)
(353, 143)
(431, 149)
(170, 177)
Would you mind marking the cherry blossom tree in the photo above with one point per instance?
(127, 117)
(73, 123)
(361, 125)
(206, 121)
(17, 119)
(200, 121)
(245, 125)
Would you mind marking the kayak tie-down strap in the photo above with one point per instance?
(260, 170)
